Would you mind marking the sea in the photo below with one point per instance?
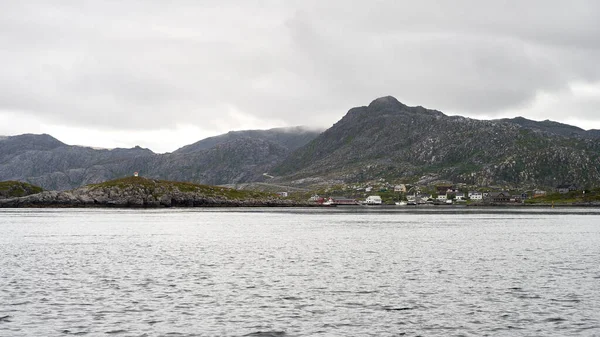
(355, 271)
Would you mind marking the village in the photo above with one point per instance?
(383, 193)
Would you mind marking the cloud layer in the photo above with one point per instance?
(213, 66)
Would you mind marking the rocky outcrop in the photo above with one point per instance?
(148, 193)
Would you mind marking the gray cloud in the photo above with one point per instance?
(127, 65)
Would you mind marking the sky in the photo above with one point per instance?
(163, 74)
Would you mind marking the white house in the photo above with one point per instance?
(442, 197)
(373, 200)
(475, 196)
(460, 196)
(368, 189)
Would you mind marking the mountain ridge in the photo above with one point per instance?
(388, 139)
(231, 159)
(383, 140)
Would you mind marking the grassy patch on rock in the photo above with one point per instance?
(14, 189)
(159, 187)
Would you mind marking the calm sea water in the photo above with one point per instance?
(300, 272)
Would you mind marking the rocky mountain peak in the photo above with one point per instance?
(386, 103)
(391, 140)
(30, 141)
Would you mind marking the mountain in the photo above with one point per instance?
(45, 161)
(291, 138)
(384, 140)
(553, 128)
(234, 161)
(388, 139)
(12, 146)
(235, 157)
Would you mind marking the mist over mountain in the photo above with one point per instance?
(291, 138)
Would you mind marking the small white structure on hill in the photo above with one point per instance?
(135, 174)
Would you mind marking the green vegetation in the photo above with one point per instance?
(567, 198)
(158, 187)
(14, 189)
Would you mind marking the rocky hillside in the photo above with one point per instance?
(290, 138)
(238, 160)
(44, 161)
(553, 128)
(143, 192)
(15, 189)
(235, 157)
(388, 139)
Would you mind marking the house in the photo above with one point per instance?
(563, 189)
(475, 196)
(499, 197)
(373, 200)
(316, 199)
(341, 201)
(368, 189)
(282, 194)
(442, 197)
(539, 193)
(460, 196)
(400, 188)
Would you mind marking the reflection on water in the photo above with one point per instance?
(300, 272)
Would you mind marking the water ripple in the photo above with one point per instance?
(298, 273)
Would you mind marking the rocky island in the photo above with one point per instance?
(142, 192)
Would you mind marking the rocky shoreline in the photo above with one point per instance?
(147, 193)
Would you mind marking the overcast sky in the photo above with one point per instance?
(163, 74)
